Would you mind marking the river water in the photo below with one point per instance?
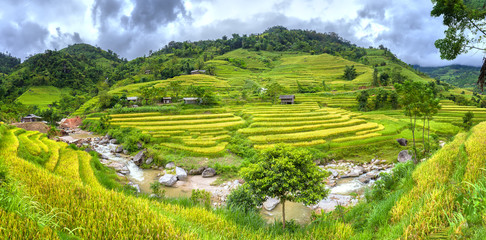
(345, 193)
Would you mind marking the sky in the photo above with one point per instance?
(132, 28)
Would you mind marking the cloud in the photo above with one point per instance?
(133, 27)
(150, 14)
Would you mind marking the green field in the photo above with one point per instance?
(42, 96)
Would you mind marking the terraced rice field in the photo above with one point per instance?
(304, 125)
(79, 203)
(204, 134)
(453, 113)
(341, 100)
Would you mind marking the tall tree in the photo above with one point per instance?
(350, 73)
(375, 82)
(466, 29)
(411, 101)
(288, 174)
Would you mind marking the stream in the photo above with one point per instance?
(345, 191)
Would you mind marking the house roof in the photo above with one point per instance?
(190, 99)
(132, 98)
(287, 97)
(167, 98)
(32, 116)
(198, 70)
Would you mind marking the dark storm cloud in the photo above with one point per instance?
(26, 38)
(124, 33)
(23, 25)
(150, 14)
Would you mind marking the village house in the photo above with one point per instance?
(191, 100)
(287, 99)
(197, 71)
(166, 100)
(132, 99)
(31, 118)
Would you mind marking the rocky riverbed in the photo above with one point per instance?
(346, 180)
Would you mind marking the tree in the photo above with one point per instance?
(384, 77)
(375, 82)
(467, 120)
(429, 106)
(363, 101)
(410, 100)
(350, 73)
(466, 28)
(273, 90)
(288, 174)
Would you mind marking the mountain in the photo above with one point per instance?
(457, 75)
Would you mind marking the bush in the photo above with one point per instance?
(390, 181)
(202, 197)
(242, 199)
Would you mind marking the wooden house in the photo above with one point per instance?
(191, 100)
(166, 100)
(287, 99)
(31, 118)
(132, 99)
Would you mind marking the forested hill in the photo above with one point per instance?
(8, 63)
(457, 75)
(80, 66)
(276, 38)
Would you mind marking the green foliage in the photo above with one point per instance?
(243, 199)
(157, 190)
(390, 181)
(467, 120)
(8, 63)
(273, 90)
(375, 82)
(362, 99)
(201, 197)
(466, 26)
(350, 73)
(144, 109)
(50, 115)
(288, 174)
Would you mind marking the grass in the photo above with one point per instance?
(42, 96)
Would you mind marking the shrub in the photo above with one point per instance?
(243, 199)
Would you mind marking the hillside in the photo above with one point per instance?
(436, 200)
(457, 75)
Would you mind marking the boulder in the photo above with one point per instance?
(113, 141)
(139, 145)
(104, 141)
(138, 159)
(373, 174)
(208, 172)
(404, 156)
(88, 150)
(119, 149)
(126, 152)
(168, 180)
(333, 172)
(181, 174)
(149, 160)
(198, 171)
(108, 136)
(402, 141)
(271, 203)
(170, 165)
(364, 178)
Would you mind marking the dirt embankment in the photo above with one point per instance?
(33, 126)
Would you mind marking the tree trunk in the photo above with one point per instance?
(413, 137)
(423, 134)
(283, 213)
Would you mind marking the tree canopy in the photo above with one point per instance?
(288, 174)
